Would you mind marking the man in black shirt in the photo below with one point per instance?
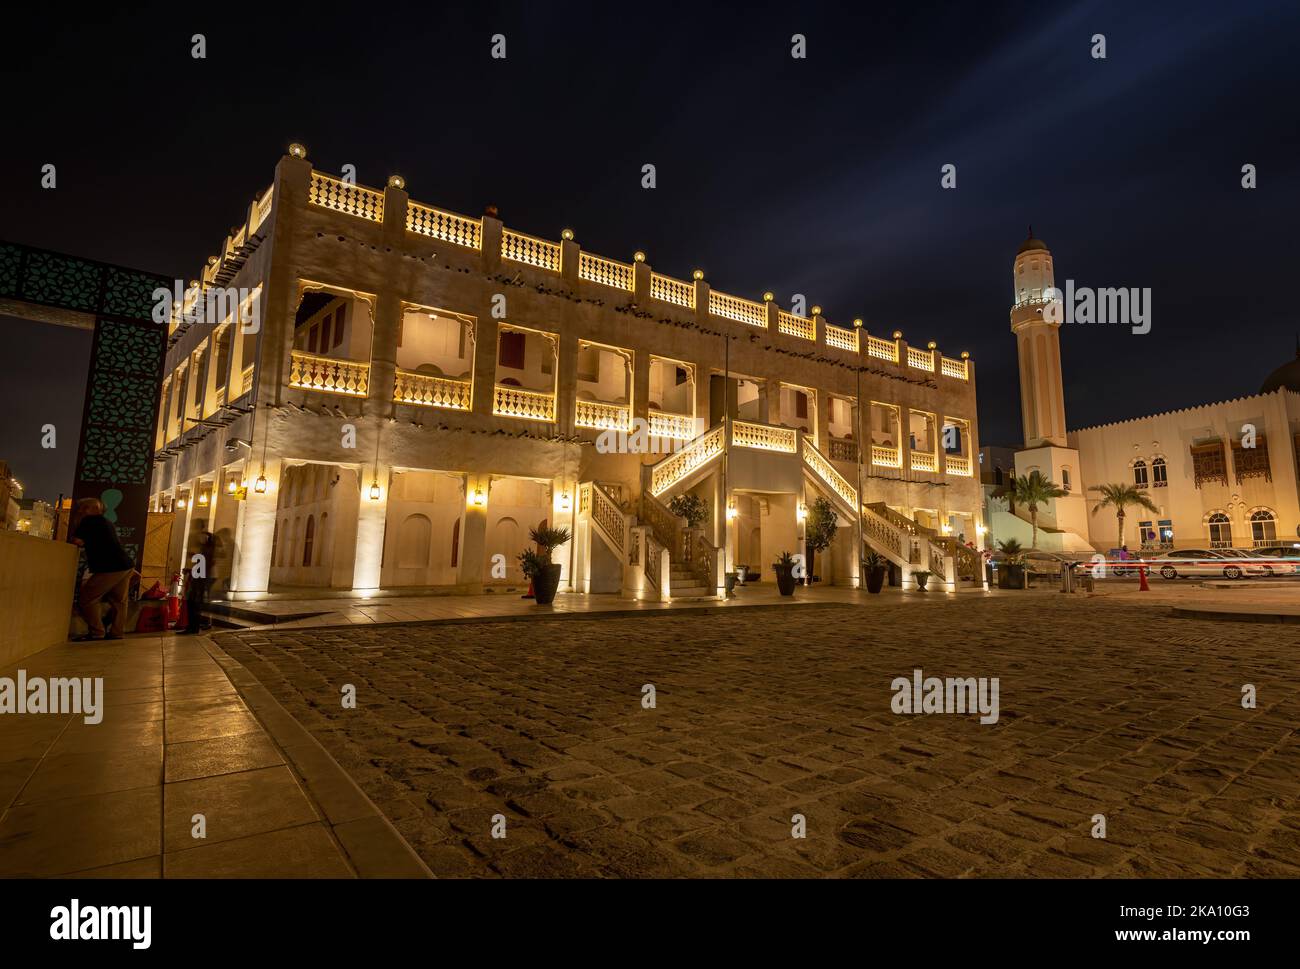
(110, 568)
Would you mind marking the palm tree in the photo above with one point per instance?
(1030, 490)
(1119, 497)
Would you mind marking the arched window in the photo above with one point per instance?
(308, 540)
(324, 544)
(1139, 474)
(1220, 530)
(1263, 527)
(413, 542)
(1159, 473)
(455, 543)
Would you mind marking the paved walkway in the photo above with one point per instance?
(1107, 706)
(119, 798)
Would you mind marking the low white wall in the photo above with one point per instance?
(37, 578)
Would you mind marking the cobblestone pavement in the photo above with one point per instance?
(1106, 707)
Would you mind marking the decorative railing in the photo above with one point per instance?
(923, 461)
(885, 536)
(432, 391)
(263, 208)
(885, 457)
(603, 416)
(425, 220)
(311, 372)
(957, 464)
(798, 326)
(246, 380)
(920, 359)
(763, 437)
(735, 308)
(970, 563)
(607, 272)
(530, 250)
(669, 529)
(529, 405)
(653, 566)
(678, 427)
(824, 470)
(675, 467)
(837, 336)
(843, 449)
(608, 516)
(937, 563)
(704, 559)
(899, 521)
(669, 290)
(882, 349)
(332, 193)
(953, 368)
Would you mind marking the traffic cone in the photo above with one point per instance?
(1142, 579)
(530, 594)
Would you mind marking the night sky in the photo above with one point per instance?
(816, 176)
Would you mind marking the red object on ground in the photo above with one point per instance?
(1142, 579)
(153, 618)
(173, 608)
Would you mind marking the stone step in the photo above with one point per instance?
(688, 591)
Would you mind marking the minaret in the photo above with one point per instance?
(1042, 401)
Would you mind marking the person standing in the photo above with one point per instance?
(110, 571)
(196, 595)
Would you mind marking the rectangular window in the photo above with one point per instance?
(510, 351)
(800, 404)
(1065, 479)
(1147, 533)
(1166, 532)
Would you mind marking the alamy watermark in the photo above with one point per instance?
(213, 305)
(81, 696)
(933, 694)
(1083, 304)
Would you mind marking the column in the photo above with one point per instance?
(255, 530)
(372, 514)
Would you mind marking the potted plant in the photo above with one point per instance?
(731, 583)
(921, 577)
(1012, 576)
(537, 564)
(784, 569)
(691, 507)
(742, 572)
(873, 567)
(819, 532)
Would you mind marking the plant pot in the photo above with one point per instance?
(1015, 577)
(784, 579)
(875, 579)
(731, 582)
(546, 583)
(741, 572)
(921, 580)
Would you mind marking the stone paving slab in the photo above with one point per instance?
(1108, 705)
(119, 798)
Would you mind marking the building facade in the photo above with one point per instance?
(390, 395)
(1221, 475)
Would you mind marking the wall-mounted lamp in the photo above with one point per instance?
(231, 486)
(698, 274)
(203, 497)
(566, 501)
(396, 181)
(480, 499)
(180, 503)
(857, 324)
(931, 345)
(374, 491)
(566, 235)
(732, 512)
(259, 485)
(802, 512)
(768, 297)
(639, 257)
(898, 334)
(817, 311)
(965, 354)
(297, 150)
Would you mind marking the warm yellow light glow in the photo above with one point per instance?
(802, 512)
(203, 498)
(857, 323)
(898, 334)
(817, 311)
(980, 530)
(480, 499)
(931, 345)
(566, 501)
(768, 297)
(698, 274)
(260, 484)
(639, 257)
(180, 503)
(396, 181)
(733, 512)
(297, 150)
(567, 235)
(374, 491)
(230, 486)
(965, 354)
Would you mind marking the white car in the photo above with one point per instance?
(1203, 562)
(1273, 564)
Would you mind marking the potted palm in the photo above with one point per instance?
(819, 532)
(537, 565)
(873, 567)
(1031, 490)
(1013, 554)
(691, 507)
(922, 577)
(784, 569)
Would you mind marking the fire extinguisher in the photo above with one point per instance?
(174, 599)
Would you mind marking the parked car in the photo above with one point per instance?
(1201, 561)
(1275, 564)
(1281, 551)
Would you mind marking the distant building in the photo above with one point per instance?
(1223, 474)
(36, 518)
(11, 494)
